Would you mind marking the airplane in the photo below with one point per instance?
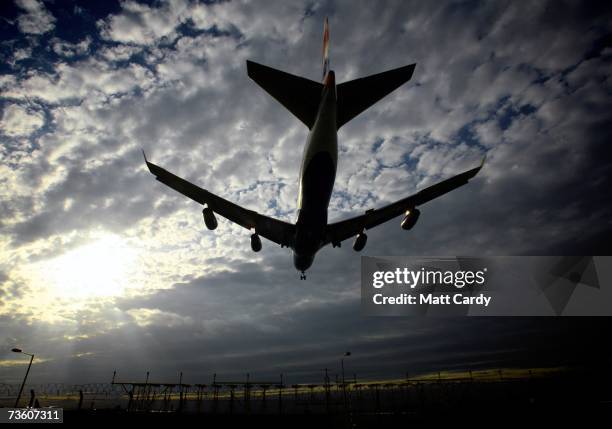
(323, 107)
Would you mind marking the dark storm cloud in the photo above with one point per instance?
(299, 341)
(296, 338)
(526, 83)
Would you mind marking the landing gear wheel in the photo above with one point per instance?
(303, 276)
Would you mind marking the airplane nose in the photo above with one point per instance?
(302, 262)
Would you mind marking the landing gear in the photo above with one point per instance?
(303, 276)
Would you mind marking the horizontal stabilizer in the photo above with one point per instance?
(357, 95)
(299, 95)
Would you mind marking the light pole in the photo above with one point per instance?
(326, 385)
(16, 350)
(347, 354)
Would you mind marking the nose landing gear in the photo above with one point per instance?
(303, 276)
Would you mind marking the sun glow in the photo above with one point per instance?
(99, 269)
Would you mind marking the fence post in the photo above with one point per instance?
(280, 395)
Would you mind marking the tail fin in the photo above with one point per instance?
(325, 48)
(299, 95)
(357, 95)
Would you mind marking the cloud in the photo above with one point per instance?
(141, 24)
(147, 317)
(91, 78)
(21, 54)
(66, 49)
(18, 121)
(37, 19)
(119, 52)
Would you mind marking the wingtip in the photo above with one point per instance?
(250, 66)
(146, 160)
(474, 171)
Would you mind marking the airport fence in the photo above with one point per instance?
(403, 396)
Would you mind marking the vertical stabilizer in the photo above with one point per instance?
(325, 48)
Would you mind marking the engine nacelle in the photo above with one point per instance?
(255, 242)
(412, 215)
(209, 218)
(360, 242)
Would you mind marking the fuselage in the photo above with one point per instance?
(317, 176)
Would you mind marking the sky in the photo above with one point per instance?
(102, 268)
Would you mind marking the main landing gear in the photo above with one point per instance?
(303, 276)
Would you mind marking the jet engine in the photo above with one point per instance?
(255, 242)
(360, 242)
(412, 215)
(209, 218)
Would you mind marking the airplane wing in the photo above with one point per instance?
(340, 231)
(273, 229)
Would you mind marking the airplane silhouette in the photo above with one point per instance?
(324, 108)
